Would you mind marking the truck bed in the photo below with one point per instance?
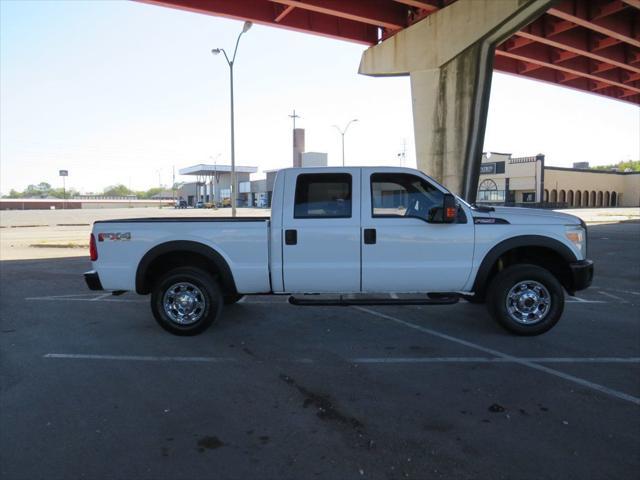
(243, 243)
(185, 219)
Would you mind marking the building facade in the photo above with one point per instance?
(527, 181)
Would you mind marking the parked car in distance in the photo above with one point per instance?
(180, 204)
(355, 235)
(199, 204)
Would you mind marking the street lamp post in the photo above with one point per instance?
(342, 133)
(216, 51)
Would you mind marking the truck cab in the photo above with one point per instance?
(367, 230)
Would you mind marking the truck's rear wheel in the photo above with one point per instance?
(186, 301)
(526, 299)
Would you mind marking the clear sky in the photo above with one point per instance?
(119, 92)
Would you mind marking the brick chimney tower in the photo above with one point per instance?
(298, 146)
(298, 141)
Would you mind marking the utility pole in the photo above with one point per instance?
(402, 156)
(294, 116)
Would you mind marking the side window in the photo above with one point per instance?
(323, 195)
(404, 195)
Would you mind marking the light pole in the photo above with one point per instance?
(342, 133)
(216, 51)
(64, 174)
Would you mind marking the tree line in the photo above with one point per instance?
(44, 190)
(633, 165)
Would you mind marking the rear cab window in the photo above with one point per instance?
(323, 195)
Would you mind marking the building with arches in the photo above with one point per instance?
(527, 181)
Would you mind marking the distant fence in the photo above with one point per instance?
(55, 204)
(34, 204)
(548, 205)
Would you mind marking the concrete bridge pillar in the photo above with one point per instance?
(449, 56)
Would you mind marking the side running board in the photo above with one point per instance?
(348, 300)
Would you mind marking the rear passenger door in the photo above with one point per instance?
(321, 231)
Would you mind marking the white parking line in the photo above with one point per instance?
(95, 299)
(147, 358)
(611, 295)
(67, 296)
(383, 360)
(101, 297)
(363, 360)
(138, 358)
(582, 300)
(616, 290)
(535, 366)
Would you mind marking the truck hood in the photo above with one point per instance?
(530, 216)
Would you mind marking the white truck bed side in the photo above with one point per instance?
(243, 244)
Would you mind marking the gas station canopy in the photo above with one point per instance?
(208, 170)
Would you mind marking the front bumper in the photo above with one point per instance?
(581, 274)
(93, 280)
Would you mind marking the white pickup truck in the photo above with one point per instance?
(369, 235)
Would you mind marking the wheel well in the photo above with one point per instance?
(151, 271)
(544, 257)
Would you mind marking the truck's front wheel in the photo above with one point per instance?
(186, 301)
(526, 299)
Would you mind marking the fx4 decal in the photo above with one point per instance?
(114, 236)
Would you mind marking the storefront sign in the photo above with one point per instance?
(488, 168)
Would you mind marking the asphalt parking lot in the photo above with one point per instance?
(93, 388)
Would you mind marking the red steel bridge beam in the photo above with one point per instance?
(592, 45)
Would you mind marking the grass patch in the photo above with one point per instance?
(59, 245)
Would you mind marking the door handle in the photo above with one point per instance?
(291, 237)
(369, 236)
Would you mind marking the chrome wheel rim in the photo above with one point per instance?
(184, 303)
(528, 302)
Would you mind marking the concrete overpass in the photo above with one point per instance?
(449, 48)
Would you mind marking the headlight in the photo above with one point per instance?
(578, 236)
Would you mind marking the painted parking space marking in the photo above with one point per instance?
(140, 358)
(582, 300)
(611, 295)
(394, 360)
(167, 359)
(363, 360)
(101, 298)
(617, 290)
(496, 353)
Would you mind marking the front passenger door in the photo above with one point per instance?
(403, 249)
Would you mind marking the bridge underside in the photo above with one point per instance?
(450, 47)
(590, 45)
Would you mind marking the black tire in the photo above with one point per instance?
(537, 285)
(475, 299)
(231, 299)
(199, 288)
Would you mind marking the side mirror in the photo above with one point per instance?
(445, 213)
(449, 208)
